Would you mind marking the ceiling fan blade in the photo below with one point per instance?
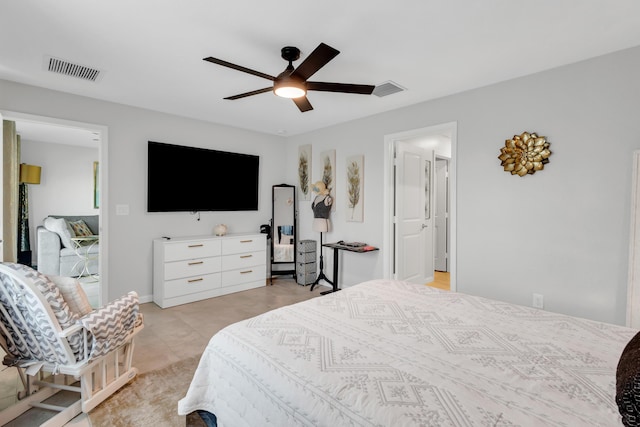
(340, 87)
(239, 68)
(316, 60)
(253, 92)
(303, 103)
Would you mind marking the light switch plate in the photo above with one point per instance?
(122, 209)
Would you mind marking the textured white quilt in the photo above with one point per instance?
(388, 353)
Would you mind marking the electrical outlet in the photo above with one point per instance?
(538, 301)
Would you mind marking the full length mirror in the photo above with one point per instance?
(283, 228)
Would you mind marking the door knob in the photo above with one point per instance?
(425, 226)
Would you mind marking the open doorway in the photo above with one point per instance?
(442, 140)
(72, 133)
(441, 214)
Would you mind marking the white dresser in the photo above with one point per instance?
(187, 269)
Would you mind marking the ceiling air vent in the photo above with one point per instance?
(67, 68)
(387, 88)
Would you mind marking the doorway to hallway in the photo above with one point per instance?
(442, 139)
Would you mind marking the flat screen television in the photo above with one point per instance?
(190, 179)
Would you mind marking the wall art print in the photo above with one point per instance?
(327, 168)
(304, 172)
(355, 188)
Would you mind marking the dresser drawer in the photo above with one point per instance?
(244, 244)
(191, 285)
(175, 251)
(243, 275)
(191, 267)
(242, 260)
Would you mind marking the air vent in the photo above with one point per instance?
(387, 88)
(70, 69)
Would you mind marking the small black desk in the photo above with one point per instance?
(336, 248)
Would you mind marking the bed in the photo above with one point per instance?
(391, 353)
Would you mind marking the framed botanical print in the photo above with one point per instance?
(355, 188)
(327, 166)
(304, 172)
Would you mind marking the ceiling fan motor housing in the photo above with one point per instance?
(287, 84)
(290, 53)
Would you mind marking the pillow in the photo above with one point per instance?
(66, 318)
(61, 228)
(80, 228)
(628, 383)
(73, 294)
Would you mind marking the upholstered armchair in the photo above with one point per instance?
(56, 251)
(57, 341)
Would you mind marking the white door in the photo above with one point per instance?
(633, 285)
(442, 215)
(414, 216)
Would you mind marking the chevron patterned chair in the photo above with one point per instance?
(59, 343)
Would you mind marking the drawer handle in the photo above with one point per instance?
(196, 246)
(246, 241)
(196, 262)
(246, 256)
(246, 272)
(195, 280)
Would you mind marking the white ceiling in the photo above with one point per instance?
(150, 52)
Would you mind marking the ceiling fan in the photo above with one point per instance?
(292, 83)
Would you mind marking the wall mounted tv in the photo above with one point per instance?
(191, 179)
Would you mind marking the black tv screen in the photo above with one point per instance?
(182, 178)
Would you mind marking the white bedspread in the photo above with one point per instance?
(386, 353)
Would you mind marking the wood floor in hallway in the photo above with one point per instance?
(441, 280)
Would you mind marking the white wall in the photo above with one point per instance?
(66, 182)
(348, 140)
(562, 232)
(130, 236)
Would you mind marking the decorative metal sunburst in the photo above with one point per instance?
(525, 154)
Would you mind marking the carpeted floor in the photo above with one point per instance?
(151, 399)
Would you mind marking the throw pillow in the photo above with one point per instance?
(60, 227)
(73, 294)
(80, 228)
(66, 318)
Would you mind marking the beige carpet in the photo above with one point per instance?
(150, 399)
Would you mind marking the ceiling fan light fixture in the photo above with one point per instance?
(290, 88)
(293, 82)
(290, 92)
